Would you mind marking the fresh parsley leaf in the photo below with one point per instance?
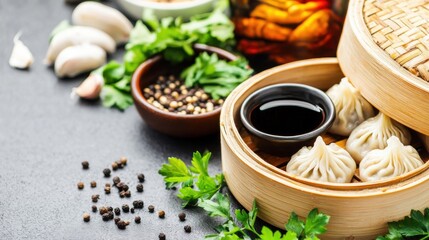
(248, 219)
(268, 234)
(176, 172)
(113, 97)
(316, 223)
(218, 208)
(200, 163)
(415, 225)
(294, 224)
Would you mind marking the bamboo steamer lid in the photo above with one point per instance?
(356, 212)
(384, 50)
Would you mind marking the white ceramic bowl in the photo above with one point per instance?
(184, 9)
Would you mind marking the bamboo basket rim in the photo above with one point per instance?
(277, 175)
(356, 8)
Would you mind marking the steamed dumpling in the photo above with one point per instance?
(326, 163)
(373, 134)
(395, 160)
(351, 108)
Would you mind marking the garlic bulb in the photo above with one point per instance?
(78, 35)
(103, 17)
(77, 59)
(90, 88)
(21, 56)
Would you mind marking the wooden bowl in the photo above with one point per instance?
(188, 126)
(389, 85)
(357, 210)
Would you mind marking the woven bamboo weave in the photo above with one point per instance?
(401, 29)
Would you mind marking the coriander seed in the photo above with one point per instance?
(93, 184)
(161, 214)
(94, 208)
(161, 236)
(137, 219)
(80, 185)
(95, 198)
(106, 172)
(125, 208)
(139, 187)
(86, 217)
(182, 216)
(85, 164)
(187, 228)
(151, 208)
(141, 177)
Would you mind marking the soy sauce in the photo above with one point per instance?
(287, 117)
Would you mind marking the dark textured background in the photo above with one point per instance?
(45, 135)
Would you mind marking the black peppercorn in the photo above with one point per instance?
(138, 204)
(122, 194)
(107, 185)
(125, 208)
(117, 211)
(120, 185)
(103, 210)
(111, 216)
(116, 180)
(151, 208)
(137, 219)
(182, 216)
(85, 164)
(94, 208)
(121, 224)
(106, 172)
(161, 214)
(161, 236)
(139, 187)
(110, 209)
(95, 198)
(107, 190)
(80, 185)
(132, 210)
(187, 228)
(141, 177)
(106, 217)
(114, 166)
(119, 164)
(93, 184)
(127, 194)
(123, 161)
(116, 219)
(86, 217)
(125, 187)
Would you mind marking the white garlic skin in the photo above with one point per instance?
(78, 35)
(78, 59)
(21, 56)
(105, 18)
(90, 88)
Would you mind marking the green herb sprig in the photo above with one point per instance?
(414, 226)
(200, 189)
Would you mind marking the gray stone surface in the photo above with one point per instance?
(44, 136)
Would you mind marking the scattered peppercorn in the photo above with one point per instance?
(93, 184)
(123, 161)
(111, 216)
(106, 172)
(137, 219)
(117, 211)
(110, 208)
(138, 204)
(127, 194)
(103, 210)
(161, 236)
(106, 216)
(116, 180)
(125, 208)
(161, 214)
(122, 194)
(116, 219)
(107, 190)
(141, 177)
(86, 217)
(187, 228)
(85, 164)
(151, 208)
(132, 210)
(139, 187)
(80, 185)
(114, 166)
(120, 186)
(125, 187)
(94, 208)
(119, 164)
(107, 185)
(95, 198)
(121, 224)
(182, 216)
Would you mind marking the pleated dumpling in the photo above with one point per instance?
(351, 108)
(325, 163)
(373, 134)
(393, 161)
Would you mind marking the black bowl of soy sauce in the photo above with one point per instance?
(282, 118)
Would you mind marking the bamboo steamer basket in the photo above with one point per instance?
(356, 212)
(384, 50)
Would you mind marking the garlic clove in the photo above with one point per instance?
(78, 59)
(105, 18)
(76, 35)
(21, 56)
(90, 88)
